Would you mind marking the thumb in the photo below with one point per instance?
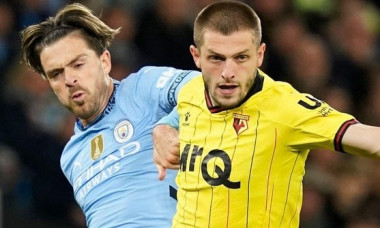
(161, 172)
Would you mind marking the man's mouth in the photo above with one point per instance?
(77, 95)
(227, 89)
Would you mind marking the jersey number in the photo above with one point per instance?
(317, 103)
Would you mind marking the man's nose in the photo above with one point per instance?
(228, 69)
(70, 77)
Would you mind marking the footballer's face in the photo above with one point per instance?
(78, 76)
(229, 64)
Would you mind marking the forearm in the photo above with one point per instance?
(363, 140)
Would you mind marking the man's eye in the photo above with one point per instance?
(242, 57)
(54, 74)
(78, 65)
(215, 58)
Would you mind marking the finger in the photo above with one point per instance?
(174, 166)
(173, 159)
(161, 172)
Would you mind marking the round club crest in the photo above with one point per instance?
(123, 131)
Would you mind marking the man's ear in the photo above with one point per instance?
(260, 54)
(105, 60)
(196, 55)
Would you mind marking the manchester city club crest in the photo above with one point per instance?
(123, 131)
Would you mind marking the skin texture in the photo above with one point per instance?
(78, 76)
(228, 64)
(361, 139)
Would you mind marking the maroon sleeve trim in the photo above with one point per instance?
(339, 135)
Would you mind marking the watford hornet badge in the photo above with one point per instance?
(240, 123)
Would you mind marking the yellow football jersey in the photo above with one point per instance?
(244, 167)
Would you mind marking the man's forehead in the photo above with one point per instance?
(241, 41)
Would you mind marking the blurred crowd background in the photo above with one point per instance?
(328, 48)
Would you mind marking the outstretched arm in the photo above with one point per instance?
(364, 140)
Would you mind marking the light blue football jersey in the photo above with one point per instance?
(110, 163)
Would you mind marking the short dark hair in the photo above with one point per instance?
(226, 17)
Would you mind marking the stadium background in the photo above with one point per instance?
(329, 48)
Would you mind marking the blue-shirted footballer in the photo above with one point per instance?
(108, 160)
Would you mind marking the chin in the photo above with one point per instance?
(228, 105)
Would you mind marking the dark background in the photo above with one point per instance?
(328, 48)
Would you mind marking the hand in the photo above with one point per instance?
(165, 149)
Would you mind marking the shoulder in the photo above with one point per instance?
(159, 75)
(277, 92)
(194, 88)
(281, 100)
(195, 84)
(157, 71)
(146, 78)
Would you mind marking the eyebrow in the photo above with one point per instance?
(71, 62)
(210, 51)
